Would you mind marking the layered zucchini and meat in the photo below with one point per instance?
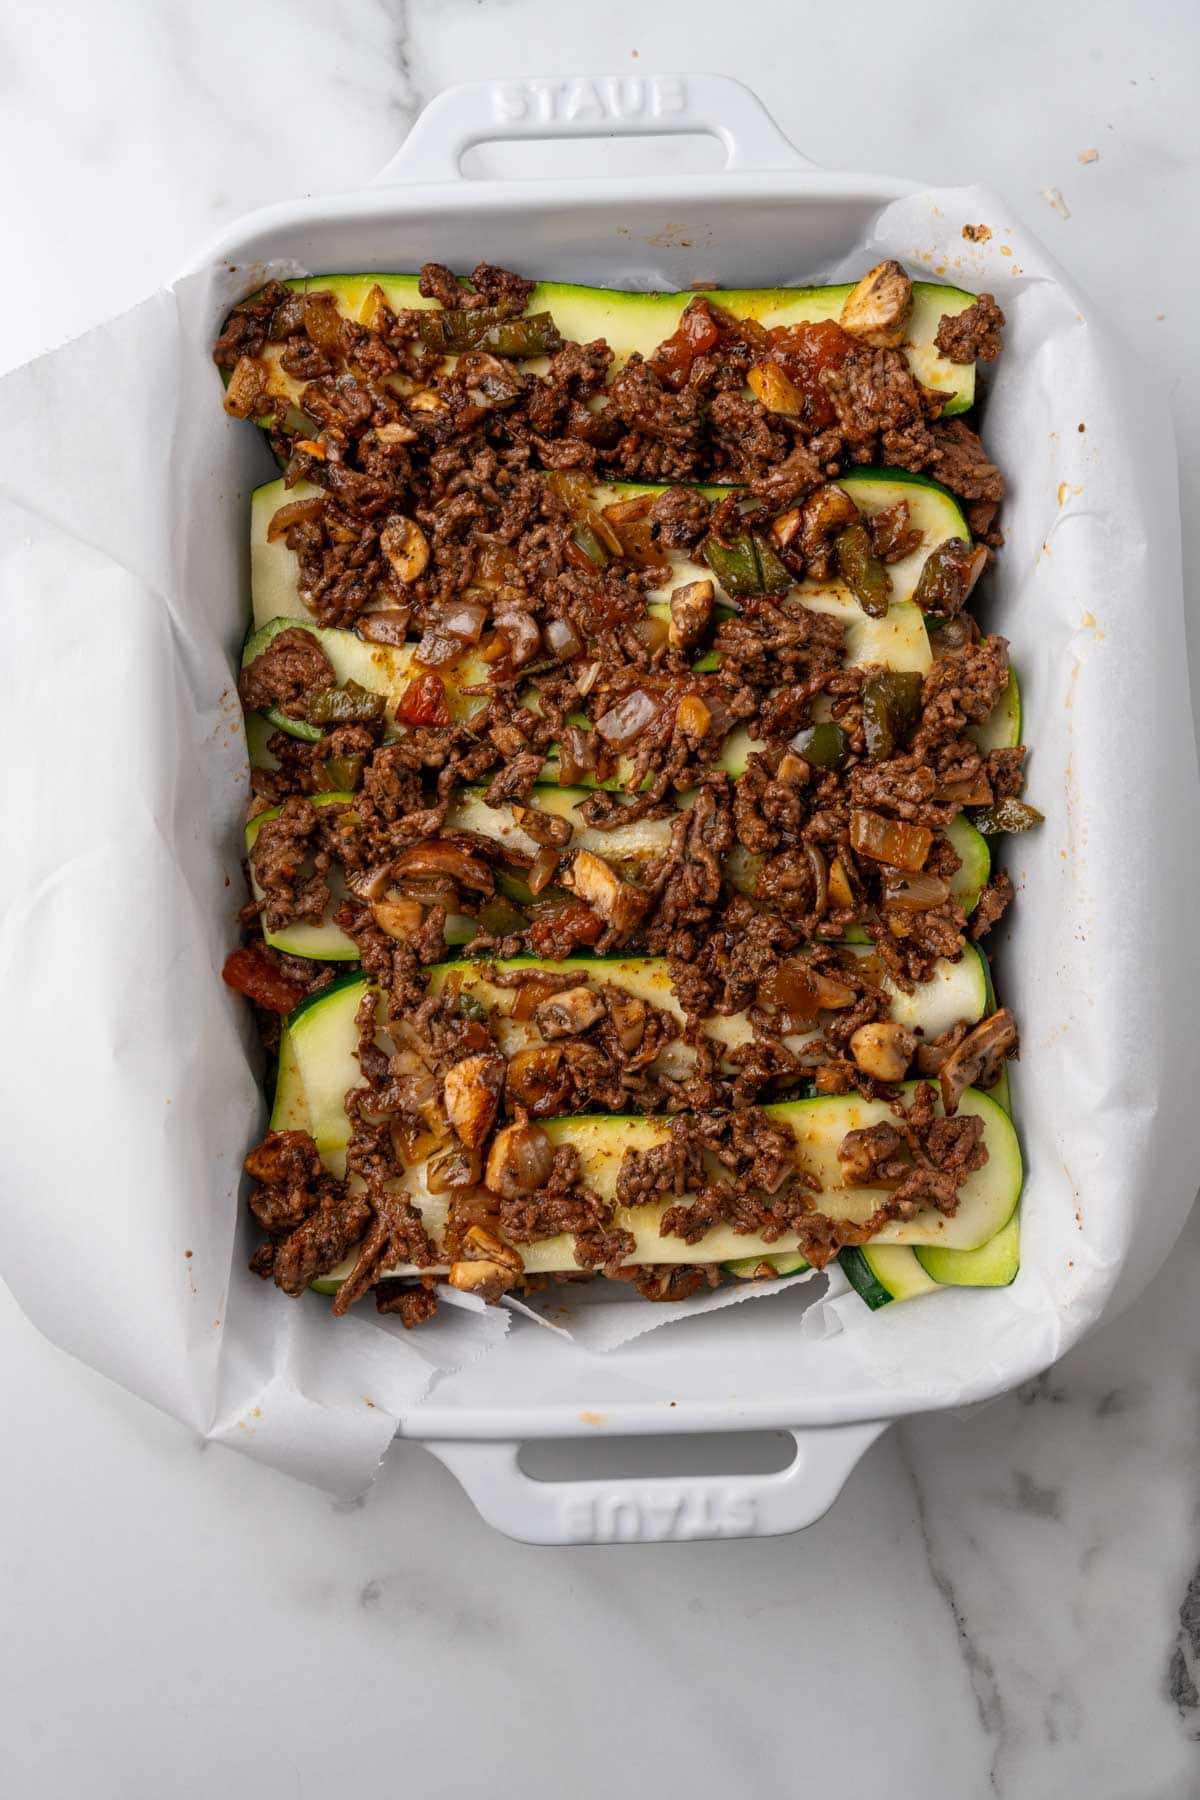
(627, 767)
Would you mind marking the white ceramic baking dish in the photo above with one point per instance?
(769, 217)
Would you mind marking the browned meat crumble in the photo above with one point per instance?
(455, 513)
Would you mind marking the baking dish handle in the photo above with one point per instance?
(657, 1509)
(595, 106)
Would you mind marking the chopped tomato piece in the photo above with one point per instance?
(423, 702)
(254, 972)
(696, 334)
(804, 352)
(557, 929)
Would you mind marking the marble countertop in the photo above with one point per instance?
(1006, 1603)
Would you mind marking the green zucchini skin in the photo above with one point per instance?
(881, 1273)
(633, 844)
(932, 508)
(637, 323)
(325, 942)
(324, 1042)
(994, 1264)
(746, 1267)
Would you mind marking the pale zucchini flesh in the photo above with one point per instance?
(987, 1199)
(627, 846)
(275, 592)
(323, 1050)
(639, 322)
(379, 668)
(956, 992)
(326, 941)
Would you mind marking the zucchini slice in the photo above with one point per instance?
(932, 509)
(881, 1273)
(955, 991)
(1001, 730)
(994, 1264)
(324, 1039)
(639, 322)
(290, 1109)
(626, 845)
(377, 667)
(746, 1268)
(326, 941)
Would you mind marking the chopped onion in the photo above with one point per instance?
(389, 627)
(465, 619)
(563, 639)
(692, 717)
(531, 993)
(435, 649)
(627, 719)
(652, 631)
(890, 840)
(457, 1168)
(785, 527)
(816, 863)
(586, 678)
(769, 384)
(541, 870)
(918, 891)
(576, 756)
(294, 513)
(520, 633)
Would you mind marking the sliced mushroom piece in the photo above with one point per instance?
(877, 309)
(629, 1022)
(822, 516)
(394, 434)
(566, 1015)
(471, 1096)
(935, 1051)
(550, 830)
(440, 857)
(405, 546)
(538, 1080)
(691, 609)
(400, 919)
(519, 1161)
(488, 1267)
(979, 1058)
(618, 903)
(883, 1049)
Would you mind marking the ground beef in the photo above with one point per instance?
(994, 902)
(312, 1217)
(281, 677)
(976, 335)
(668, 1281)
(681, 515)
(411, 1305)
(394, 1235)
(291, 864)
(958, 461)
(877, 399)
(759, 871)
(924, 1160)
